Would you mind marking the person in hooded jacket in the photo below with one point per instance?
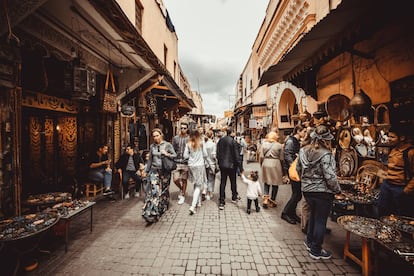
(316, 167)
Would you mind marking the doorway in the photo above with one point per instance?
(49, 150)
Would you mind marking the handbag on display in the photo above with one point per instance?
(168, 164)
(293, 173)
(109, 100)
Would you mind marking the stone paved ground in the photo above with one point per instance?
(211, 242)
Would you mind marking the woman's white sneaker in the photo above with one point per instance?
(181, 199)
(192, 210)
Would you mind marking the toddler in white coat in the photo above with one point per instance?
(253, 190)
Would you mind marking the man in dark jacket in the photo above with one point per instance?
(228, 157)
(130, 164)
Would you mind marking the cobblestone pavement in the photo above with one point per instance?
(211, 242)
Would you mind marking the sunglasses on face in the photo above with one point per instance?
(183, 128)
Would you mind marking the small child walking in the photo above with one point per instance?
(253, 190)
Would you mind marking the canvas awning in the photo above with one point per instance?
(335, 33)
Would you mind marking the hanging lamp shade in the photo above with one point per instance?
(360, 103)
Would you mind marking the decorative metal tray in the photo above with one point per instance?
(388, 234)
(362, 198)
(26, 226)
(364, 227)
(404, 224)
(370, 228)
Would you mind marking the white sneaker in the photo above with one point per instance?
(192, 210)
(136, 195)
(126, 196)
(181, 200)
(199, 204)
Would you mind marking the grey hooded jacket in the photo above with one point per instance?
(317, 170)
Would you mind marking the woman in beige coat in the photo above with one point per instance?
(272, 174)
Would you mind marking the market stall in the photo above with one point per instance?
(391, 234)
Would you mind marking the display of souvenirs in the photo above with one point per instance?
(65, 208)
(48, 198)
(388, 234)
(404, 224)
(365, 227)
(27, 225)
(368, 197)
(357, 135)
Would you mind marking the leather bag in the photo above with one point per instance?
(109, 100)
(293, 173)
(168, 164)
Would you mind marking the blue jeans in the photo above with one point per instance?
(211, 179)
(393, 200)
(320, 205)
(101, 175)
(126, 175)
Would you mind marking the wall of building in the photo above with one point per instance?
(128, 7)
(393, 50)
(198, 101)
(157, 34)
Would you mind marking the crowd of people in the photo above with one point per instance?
(199, 155)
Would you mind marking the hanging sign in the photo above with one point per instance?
(128, 110)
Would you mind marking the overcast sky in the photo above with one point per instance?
(215, 38)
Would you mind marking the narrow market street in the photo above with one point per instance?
(211, 242)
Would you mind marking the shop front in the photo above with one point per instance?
(360, 74)
(64, 72)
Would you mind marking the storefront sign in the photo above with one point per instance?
(128, 110)
(228, 114)
(252, 123)
(259, 111)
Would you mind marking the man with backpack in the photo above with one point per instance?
(397, 190)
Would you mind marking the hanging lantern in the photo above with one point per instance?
(360, 104)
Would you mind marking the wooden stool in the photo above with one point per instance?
(93, 189)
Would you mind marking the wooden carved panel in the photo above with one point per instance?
(42, 101)
(49, 146)
(35, 130)
(67, 140)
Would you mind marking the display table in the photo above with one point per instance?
(22, 235)
(364, 228)
(74, 213)
(369, 230)
(403, 248)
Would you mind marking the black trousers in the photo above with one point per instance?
(249, 203)
(230, 173)
(290, 208)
